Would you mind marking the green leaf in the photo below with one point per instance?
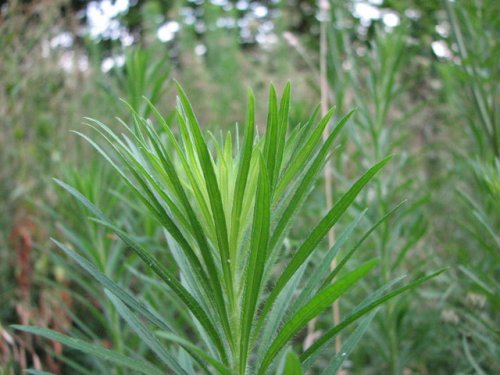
(284, 109)
(315, 306)
(165, 274)
(471, 359)
(194, 349)
(145, 335)
(170, 279)
(301, 157)
(243, 170)
(348, 345)
(311, 243)
(315, 281)
(213, 192)
(290, 365)
(305, 185)
(197, 231)
(275, 316)
(135, 364)
(271, 136)
(351, 252)
(373, 296)
(257, 259)
(349, 319)
(118, 291)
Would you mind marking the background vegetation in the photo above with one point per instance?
(424, 80)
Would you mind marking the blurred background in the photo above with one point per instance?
(423, 75)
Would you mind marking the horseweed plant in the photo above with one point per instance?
(225, 218)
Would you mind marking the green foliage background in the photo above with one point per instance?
(425, 91)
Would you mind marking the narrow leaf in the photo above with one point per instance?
(135, 364)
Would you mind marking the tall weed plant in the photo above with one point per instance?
(226, 208)
(471, 86)
(370, 76)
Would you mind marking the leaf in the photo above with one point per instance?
(487, 288)
(304, 153)
(194, 349)
(118, 291)
(170, 279)
(290, 364)
(314, 307)
(197, 231)
(145, 335)
(331, 333)
(135, 364)
(470, 358)
(284, 109)
(314, 282)
(304, 186)
(348, 346)
(373, 296)
(243, 170)
(166, 275)
(275, 316)
(311, 243)
(271, 136)
(257, 259)
(351, 252)
(213, 192)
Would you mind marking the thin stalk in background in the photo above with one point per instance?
(324, 8)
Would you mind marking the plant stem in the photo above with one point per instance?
(324, 8)
(325, 92)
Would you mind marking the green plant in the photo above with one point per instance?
(480, 309)
(144, 73)
(93, 316)
(473, 28)
(225, 217)
(370, 75)
(471, 86)
(38, 99)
